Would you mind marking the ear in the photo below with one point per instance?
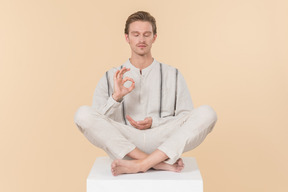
(154, 38)
(127, 38)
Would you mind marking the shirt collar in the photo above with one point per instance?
(145, 71)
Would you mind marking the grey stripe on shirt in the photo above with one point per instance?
(161, 78)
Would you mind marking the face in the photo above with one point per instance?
(140, 37)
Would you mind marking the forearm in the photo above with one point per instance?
(103, 100)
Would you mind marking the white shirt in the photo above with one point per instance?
(160, 92)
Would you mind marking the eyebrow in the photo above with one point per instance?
(139, 32)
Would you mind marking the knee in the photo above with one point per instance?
(81, 116)
(208, 113)
(204, 116)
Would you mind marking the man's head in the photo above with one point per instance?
(140, 32)
(141, 16)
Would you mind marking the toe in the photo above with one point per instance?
(180, 162)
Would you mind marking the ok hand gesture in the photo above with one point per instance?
(119, 89)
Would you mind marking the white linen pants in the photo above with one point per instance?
(174, 138)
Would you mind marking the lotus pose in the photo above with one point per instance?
(142, 114)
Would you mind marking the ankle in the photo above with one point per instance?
(143, 166)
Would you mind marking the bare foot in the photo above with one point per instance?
(119, 166)
(176, 167)
(135, 166)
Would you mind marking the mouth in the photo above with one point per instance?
(142, 45)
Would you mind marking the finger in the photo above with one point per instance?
(142, 123)
(148, 119)
(142, 127)
(128, 79)
(128, 117)
(123, 70)
(132, 122)
(147, 122)
(119, 74)
(116, 74)
(131, 87)
(136, 123)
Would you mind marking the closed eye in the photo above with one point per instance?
(147, 34)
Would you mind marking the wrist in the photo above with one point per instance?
(116, 97)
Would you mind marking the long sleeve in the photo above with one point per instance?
(183, 103)
(103, 101)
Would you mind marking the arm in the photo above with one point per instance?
(105, 103)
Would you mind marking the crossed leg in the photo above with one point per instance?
(142, 162)
(197, 125)
(91, 124)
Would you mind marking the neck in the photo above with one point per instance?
(141, 61)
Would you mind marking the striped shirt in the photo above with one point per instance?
(160, 92)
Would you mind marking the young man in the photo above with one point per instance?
(142, 114)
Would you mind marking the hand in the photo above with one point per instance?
(119, 89)
(145, 124)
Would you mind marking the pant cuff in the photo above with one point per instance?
(123, 153)
(172, 157)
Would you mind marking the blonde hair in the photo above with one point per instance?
(140, 16)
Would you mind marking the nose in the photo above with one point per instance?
(141, 38)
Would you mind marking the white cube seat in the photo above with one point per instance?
(100, 179)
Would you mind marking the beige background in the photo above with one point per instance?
(233, 55)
